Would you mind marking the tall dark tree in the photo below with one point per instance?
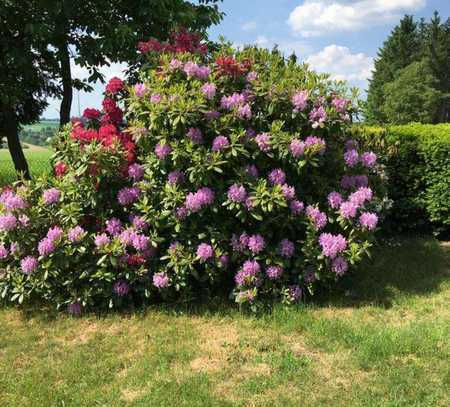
(437, 52)
(95, 33)
(400, 49)
(40, 39)
(26, 76)
(408, 44)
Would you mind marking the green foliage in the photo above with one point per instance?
(194, 220)
(412, 96)
(412, 67)
(417, 160)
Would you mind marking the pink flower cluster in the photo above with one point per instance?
(195, 201)
(332, 245)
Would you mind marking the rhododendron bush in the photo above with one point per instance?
(217, 172)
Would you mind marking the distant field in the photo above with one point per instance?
(38, 159)
(42, 125)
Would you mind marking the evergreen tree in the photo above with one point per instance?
(437, 52)
(412, 96)
(402, 47)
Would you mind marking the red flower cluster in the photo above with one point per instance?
(180, 41)
(113, 114)
(60, 169)
(114, 86)
(91, 114)
(227, 65)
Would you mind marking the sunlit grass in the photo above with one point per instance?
(381, 340)
(38, 159)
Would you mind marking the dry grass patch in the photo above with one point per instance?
(131, 395)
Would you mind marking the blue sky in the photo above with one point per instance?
(340, 37)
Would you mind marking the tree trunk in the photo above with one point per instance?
(66, 74)
(11, 130)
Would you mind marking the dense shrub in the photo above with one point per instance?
(417, 161)
(232, 174)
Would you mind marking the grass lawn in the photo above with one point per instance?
(384, 343)
(38, 161)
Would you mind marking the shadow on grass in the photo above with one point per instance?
(398, 268)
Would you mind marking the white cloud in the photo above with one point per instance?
(286, 47)
(317, 17)
(341, 64)
(264, 42)
(249, 26)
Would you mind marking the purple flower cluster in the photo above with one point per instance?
(335, 199)
(8, 222)
(318, 218)
(263, 142)
(247, 275)
(295, 293)
(360, 196)
(237, 193)
(76, 234)
(136, 172)
(252, 170)
(256, 244)
(368, 159)
(101, 240)
(12, 201)
(368, 220)
(162, 150)
(51, 196)
(230, 102)
(332, 245)
(46, 246)
(127, 196)
(209, 90)
(219, 143)
(205, 251)
(140, 89)
(339, 265)
(297, 147)
(296, 207)
(155, 98)
(175, 177)
(340, 104)
(198, 71)
(288, 191)
(318, 116)
(287, 248)
(195, 135)
(114, 226)
(4, 252)
(300, 100)
(196, 201)
(121, 288)
(348, 209)
(277, 176)
(316, 143)
(28, 264)
(161, 280)
(244, 111)
(351, 157)
(252, 76)
(274, 272)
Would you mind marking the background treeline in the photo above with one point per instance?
(411, 79)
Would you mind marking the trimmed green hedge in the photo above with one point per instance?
(417, 160)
